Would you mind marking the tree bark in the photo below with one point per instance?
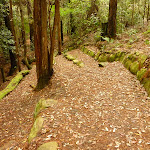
(30, 17)
(40, 43)
(14, 35)
(3, 74)
(53, 38)
(59, 28)
(112, 18)
(24, 36)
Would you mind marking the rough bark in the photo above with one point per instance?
(24, 36)
(3, 75)
(59, 28)
(40, 43)
(112, 18)
(30, 17)
(14, 35)
(53, 38)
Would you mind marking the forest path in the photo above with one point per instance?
(98, 108)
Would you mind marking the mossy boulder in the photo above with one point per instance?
(79, 63)
(13, 83)
(146, 84)
(69, 57)
(141, 73)
(142, 58)
(103, 64)
(37, 126)
(42, 104)
(112, 57)
(134, 67)
(91, 53)
(86, 51)
(103, 58)
(97, 55)
(49, 146)
(127, 63)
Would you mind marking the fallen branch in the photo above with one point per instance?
(13, 84)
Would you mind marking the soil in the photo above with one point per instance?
(98, 108)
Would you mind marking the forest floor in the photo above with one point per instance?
(98, 108)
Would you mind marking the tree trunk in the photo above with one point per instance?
(144, 11)
(133, 5)
(148, 9)
(40, 43)
(112, 18)
(49, 11)
(59, 29)
(62, 36)
(14, 34)
(53, 38)
(30, 17)
(24, 37)
(3, 75)
(13, 63)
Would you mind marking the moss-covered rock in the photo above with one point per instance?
(49, 146)
(128, 63)
(141, 73)
(86, 51)
(79, 63)
(37, 126)
(142, 58)
(91, 53)
(103, 58)
(69, 57)
(97, 55)
(146, 84)
(134, 67)
(112, 57)
(103, 64)
(42, 104)
(13, 83)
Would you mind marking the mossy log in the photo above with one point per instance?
(78, 63)
(37, 126)
(13, 84)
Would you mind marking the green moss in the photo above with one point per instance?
(146, 84)
(97, 55)
(141, 73)
(69, 57)
(13, 84)
(103, 64)
(86, 51)
(102, 58)
(37, 126)
(142, 59)
(127, 64)
(42, 104)
(91, 53)
(49, 146)
(134, 67)
(132, 57)
(112, 57)
(79, 63)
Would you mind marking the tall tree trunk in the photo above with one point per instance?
(49, 13)
(53, 37)
(133, 7)
(14, 35)
(30, 17)
(62, 34)
(40, 43)
(59, 28)
(24, 36)
(144, 11)
(148, 9)
(112, 18)
(3, 74)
